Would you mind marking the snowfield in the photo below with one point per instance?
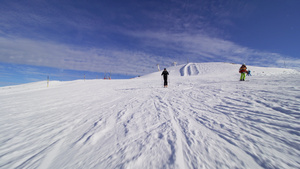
(206, 118)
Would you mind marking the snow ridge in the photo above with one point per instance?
(190, 69)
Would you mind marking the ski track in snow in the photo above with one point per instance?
(205, 119)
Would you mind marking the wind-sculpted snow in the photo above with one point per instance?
(206, 118)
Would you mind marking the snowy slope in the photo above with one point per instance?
(205, 119)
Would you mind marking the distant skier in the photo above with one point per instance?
(243, 71)
(165, 74)
(249, 73)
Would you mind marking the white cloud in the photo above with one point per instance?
(196, 48)
(200, 47)
(39, 53)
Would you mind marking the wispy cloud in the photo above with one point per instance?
(201, 47)
(177, 47)
(41, 53)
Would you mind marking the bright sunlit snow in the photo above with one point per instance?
(206, 118)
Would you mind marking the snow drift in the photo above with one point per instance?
(207, 118)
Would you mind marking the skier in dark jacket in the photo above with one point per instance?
(165, 74)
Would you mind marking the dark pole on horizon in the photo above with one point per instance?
(48, 81)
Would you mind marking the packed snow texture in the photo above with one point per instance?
(206, 118)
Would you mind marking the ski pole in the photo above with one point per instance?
(169, 78)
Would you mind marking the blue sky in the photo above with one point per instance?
(69, 38)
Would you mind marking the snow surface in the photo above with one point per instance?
(206, 118)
